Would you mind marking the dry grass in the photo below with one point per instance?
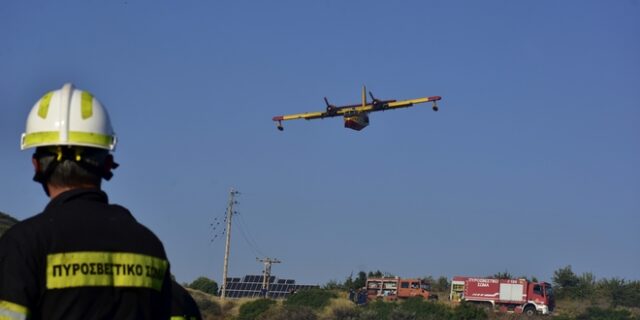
(335, 306)
(214, 308)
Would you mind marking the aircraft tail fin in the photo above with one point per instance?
(364, 95)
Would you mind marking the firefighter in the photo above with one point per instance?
(183, 307)
(81, 258)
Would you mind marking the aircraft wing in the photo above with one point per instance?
(410, 102)
(306, 115)
(338, 112)
(356, 109)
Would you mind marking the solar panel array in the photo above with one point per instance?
(250, 286)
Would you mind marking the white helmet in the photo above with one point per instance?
(70, 117)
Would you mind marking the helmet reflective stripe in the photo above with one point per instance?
(75, 138)
(68, 116)
(86, 105)
(43, 108)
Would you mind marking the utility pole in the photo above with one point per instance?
(266, 274)
(230, 213)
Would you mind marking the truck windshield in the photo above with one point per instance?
(548, 290)
(425, 286)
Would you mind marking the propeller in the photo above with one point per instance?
(330, 107)
(374, 100)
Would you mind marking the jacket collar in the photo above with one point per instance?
(90, 194)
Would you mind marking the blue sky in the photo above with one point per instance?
(531, 164)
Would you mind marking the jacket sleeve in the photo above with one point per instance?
(19, 287)
(164, 307)
(182, 304)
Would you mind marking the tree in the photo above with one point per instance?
(333, 285)
(585, 287)
(6, 221)
(205, 285)
(502, 275)
(613, 289)
(437, 285)
(442, 284)
(360, 281)
(621, 292)
(376, 274)
(565, 281)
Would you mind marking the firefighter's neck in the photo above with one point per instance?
(54, 190)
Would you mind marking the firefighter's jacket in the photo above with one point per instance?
(183, 307)
(83, 258)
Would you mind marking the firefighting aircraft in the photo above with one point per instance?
(356, 116)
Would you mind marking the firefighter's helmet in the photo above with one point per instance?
(68, 117)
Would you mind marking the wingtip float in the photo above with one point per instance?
(356, 116)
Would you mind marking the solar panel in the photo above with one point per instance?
(251, 286)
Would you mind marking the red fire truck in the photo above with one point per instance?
(394, 288)
(517, 295)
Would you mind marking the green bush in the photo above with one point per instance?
(251, 310)
(345, 313)
(419, 309)
(381, 309)
(369, 315)
(205, 285)
(426, 310)
(289, 313)
(466, 311)
(208, 307)
(595, 313)
(313, 298)
(401, 314)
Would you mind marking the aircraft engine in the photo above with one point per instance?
(356, 122)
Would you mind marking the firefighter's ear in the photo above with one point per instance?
(108, 165)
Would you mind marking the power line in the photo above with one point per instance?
(246, 234)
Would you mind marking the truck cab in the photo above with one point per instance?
(540, 296)
(415, 288)
(394, 288)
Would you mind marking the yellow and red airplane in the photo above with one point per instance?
(356, 116)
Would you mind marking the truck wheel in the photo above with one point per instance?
(530, 311)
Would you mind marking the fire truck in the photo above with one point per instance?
(507, 295)
(394, 288)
